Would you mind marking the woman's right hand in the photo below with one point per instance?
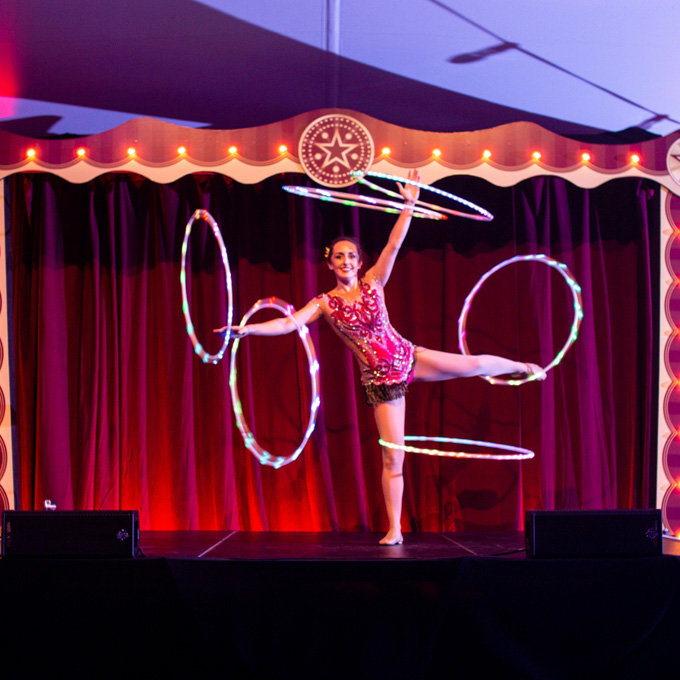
(236, 331)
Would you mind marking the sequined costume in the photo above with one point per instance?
(385, 359)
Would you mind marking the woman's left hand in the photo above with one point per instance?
(410, 192)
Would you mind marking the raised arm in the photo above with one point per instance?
(382, 269)
(285, 324)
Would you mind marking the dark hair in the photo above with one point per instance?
(351, 239)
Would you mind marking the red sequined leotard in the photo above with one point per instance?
(385, 358)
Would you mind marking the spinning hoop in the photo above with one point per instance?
(573, 333)
(249, 440)
(361, 201)
(516, 452)
(482, 215)
(198, 348)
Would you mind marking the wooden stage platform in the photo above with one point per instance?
(338, 605)
(354, 546)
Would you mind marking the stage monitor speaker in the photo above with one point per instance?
(106, 533)
(593, 533)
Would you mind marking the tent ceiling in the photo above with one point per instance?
(574, 68)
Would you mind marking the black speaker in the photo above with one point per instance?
(107, 533)
(593, 533)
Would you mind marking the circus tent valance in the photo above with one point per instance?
(503, 155)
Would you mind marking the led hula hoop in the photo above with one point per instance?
(420, 208)
(482, 215)
(361, 201)
(514, 452)
(573, 333)
(198, 348)
(249, 440)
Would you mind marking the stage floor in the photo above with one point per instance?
(258, 605)
(339, 546)
(334, 546)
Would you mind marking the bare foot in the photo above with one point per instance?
(533, 370)
(393, 537)
(537, 371)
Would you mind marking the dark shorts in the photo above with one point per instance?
(378, 394)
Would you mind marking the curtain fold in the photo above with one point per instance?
(115, 411)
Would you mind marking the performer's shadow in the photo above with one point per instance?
(478, 499)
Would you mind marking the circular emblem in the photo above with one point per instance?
(334, 147)
(673, 161)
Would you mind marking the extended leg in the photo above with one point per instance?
(433, 365)
(389, 417)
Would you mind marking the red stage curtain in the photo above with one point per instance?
(114, 410)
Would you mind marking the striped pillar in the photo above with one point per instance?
(7, 500)
(668, 469)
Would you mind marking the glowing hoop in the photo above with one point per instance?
(198, 348)
(361, 201)
(249, 440)
(482, 215)
(573, 333)
(516, 452)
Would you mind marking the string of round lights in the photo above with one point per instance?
(481, 215)
(265, 457)
(514, 452)
(198, 348)
(576, 322)
(175, 151)
(362, 201)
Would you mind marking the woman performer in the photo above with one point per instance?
(355, 309)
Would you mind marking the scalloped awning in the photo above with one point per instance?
(164, 152)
